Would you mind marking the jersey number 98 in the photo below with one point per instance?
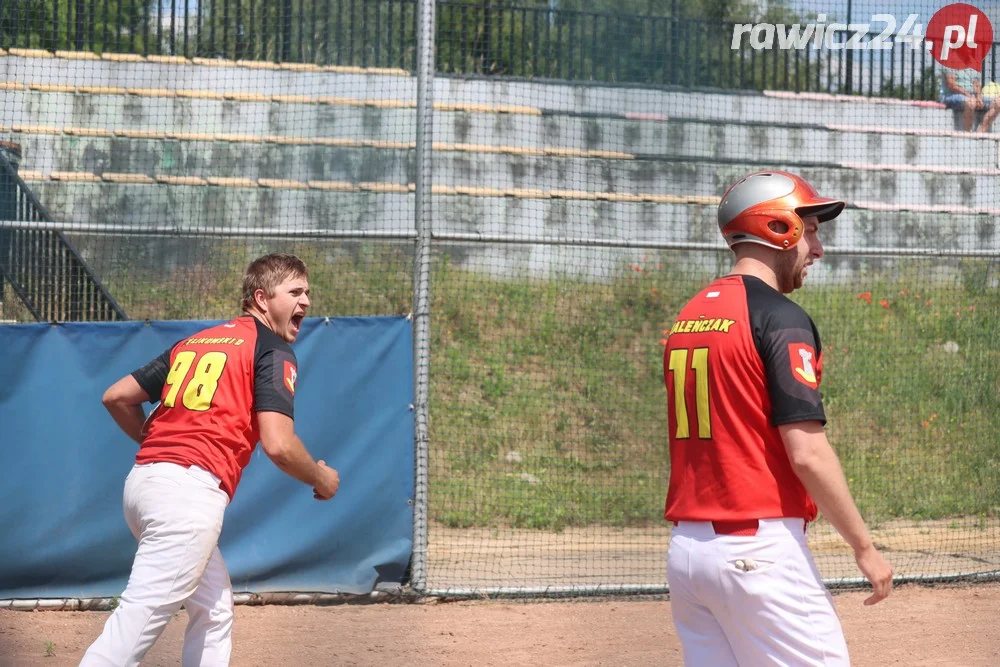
(203, 384)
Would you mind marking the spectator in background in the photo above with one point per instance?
(961, 90)
(991, 91)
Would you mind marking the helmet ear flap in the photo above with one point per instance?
(759, 227)
(792, 229)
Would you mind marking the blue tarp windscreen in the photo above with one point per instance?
(64, 462)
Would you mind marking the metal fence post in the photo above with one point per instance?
(286, 31)
(421, 287)
(11, 153)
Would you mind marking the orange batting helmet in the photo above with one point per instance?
(752, 203)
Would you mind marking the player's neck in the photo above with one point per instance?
(262, 317)
(751, 266)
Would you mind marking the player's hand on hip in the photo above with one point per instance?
(877, 571)
(329, 482)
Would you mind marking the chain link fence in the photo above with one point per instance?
(727, 45)
(543, 208)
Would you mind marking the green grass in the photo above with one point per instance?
(915, 420)
(568, 374)
(547, 402)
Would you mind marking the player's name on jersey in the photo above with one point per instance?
(699, 326)
(214, 341)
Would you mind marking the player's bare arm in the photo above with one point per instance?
(285, 449)
(124, 401)
(817, 466)
(952, 84)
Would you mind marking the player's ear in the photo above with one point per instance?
(260, 298)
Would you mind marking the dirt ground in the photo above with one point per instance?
(477, 558)
(916, 626)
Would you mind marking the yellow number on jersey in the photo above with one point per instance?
(203, 384)
(678, 364)
(178, 371)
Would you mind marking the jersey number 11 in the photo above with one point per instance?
(678, 365)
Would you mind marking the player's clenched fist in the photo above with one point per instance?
(328, 482)
(877, 571)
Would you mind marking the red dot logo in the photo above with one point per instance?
(960, 36)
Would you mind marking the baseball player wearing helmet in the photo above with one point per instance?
(750, 461)
(220, 391)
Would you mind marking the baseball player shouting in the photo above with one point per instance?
(219, 391)
(750, 461)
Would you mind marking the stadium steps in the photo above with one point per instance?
(45, 108)
(233, 145)
(331, 208)
(197, 159)
(41, 266)
(213, 77)
(67, 147)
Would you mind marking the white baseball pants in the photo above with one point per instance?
(176, 515)
(751, 600)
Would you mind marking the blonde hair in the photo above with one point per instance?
(267, 272)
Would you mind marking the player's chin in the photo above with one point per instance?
(789, 285)
(798, 279)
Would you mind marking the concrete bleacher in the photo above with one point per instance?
(352, 127)
(179, 144)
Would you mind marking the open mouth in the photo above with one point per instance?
(296, 322)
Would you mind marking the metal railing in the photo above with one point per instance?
(481, 38)
(667, 51)
(327, 32)
(40, 264)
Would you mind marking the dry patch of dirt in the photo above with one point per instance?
(916, 626)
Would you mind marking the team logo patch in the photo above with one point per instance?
(291, 376)
(805, 368)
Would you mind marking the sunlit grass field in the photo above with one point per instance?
(549, 409)
(547, 404)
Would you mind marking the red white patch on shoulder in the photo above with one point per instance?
(805, 366)
(291, 376)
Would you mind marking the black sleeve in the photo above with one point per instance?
(153, 375)
(790, 348)
(275, 376)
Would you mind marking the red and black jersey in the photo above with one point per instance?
(210, 387)
(740, 360)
